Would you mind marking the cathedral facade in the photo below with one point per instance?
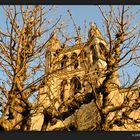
(69, 71)
(67, 101)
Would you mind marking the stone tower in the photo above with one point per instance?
(69, 71)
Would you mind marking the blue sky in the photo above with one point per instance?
(80, 14)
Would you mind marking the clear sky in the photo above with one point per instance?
(80, 14)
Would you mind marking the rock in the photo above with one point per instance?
(87, 117)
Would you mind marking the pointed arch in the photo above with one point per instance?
(75, 85)
(74, 59)
(62, 89)
(83, 56)
(93, 53)
(48, 58)
(64, 61)
(102, 49)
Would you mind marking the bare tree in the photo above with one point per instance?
(123, 42)
(22, 47)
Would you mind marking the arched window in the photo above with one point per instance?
(75, 85)
(62, 89)
(83, 56)
(48, 58)
(94, 54)
(102, 49)
(74, 60)
(64, 61)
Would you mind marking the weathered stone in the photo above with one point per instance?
(87, 117)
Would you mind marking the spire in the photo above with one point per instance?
(94, 31)
(54, 43)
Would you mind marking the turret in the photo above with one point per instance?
(53, 44)
(94, 31)
(52, 47)
(98, 45)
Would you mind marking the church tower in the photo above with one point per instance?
(69, 71)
